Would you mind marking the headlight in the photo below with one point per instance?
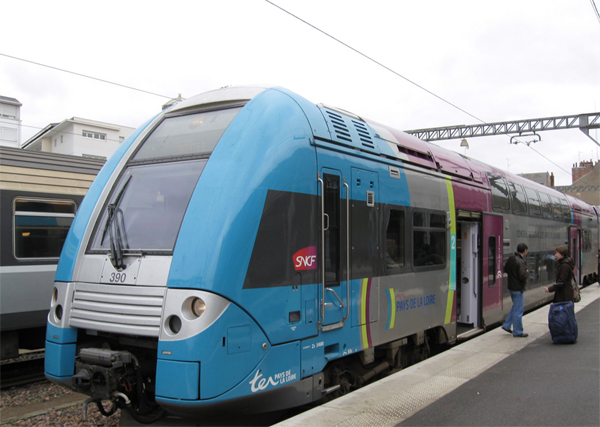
(198, 307)
(174, 323)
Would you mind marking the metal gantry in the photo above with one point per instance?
(584, 122)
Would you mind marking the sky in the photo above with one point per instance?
(496, 60)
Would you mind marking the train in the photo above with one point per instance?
(39, 197)
(248, 251)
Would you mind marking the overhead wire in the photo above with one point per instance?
(315, 28)
(86, 76)
(595, 10)
(398, 74)
(549, 160)
(376, 62)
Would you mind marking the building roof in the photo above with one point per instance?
(7, 100)
(54, 128)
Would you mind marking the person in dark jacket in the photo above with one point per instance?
(563, 288)
(516, 270)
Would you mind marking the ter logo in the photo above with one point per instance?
(305, 259)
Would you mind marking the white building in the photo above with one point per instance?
(79, 137)
(10, 122)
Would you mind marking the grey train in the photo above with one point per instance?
(39, 196)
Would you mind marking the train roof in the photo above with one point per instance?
(49, 161)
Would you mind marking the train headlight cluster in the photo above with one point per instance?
(188, 312)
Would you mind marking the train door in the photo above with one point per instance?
(335, 199)
(575, 249)
(492, 244)
(364, 254)
(468, 316)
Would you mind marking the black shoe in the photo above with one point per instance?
(507, 330)
(523, 335)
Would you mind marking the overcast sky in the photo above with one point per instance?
(497, 60)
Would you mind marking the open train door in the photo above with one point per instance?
(492, 253)
(575, 250)
(468, 305)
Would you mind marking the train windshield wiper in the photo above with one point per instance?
(115, 227)
(118, 236)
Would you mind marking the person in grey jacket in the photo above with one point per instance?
(516, 269)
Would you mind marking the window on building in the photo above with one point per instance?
(8, 111)
(94, 135)
(429, 239)
(41, 226)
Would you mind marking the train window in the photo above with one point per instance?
(394, 257)
(41, 227)
(186, 136)
(534, 202)
(492, 261)
(429, 239)
(418, 219)
(519, 200)
(547, 211)
(566, 210)
(558, 215)
(500, 199)
(147, 207)
(332, 233)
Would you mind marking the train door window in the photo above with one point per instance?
(332, 231)
(519, 200)
(395, 246)
(41, 227)
(500, 199)
(429, 239)
(492, 261)
(547, 211)
(534, 202)
(587, 241)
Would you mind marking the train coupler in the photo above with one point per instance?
(100, 371)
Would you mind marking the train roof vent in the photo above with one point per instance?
(349, 130)
(363, 134)
(339, 126)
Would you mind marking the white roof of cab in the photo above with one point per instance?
(226, 94)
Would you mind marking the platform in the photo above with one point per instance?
(493, 379)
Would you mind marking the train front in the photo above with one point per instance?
(152, 307)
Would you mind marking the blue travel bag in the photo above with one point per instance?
(562, 323)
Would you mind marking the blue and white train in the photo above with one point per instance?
(247, 250)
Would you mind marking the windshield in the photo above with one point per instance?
(186, 136)
(147, 206)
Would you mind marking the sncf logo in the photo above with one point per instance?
(306, 259)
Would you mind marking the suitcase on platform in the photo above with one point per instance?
(562, 323)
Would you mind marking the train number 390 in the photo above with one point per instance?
(118, 277)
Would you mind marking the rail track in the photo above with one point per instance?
(26, 369)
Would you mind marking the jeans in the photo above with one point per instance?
(515, 316)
